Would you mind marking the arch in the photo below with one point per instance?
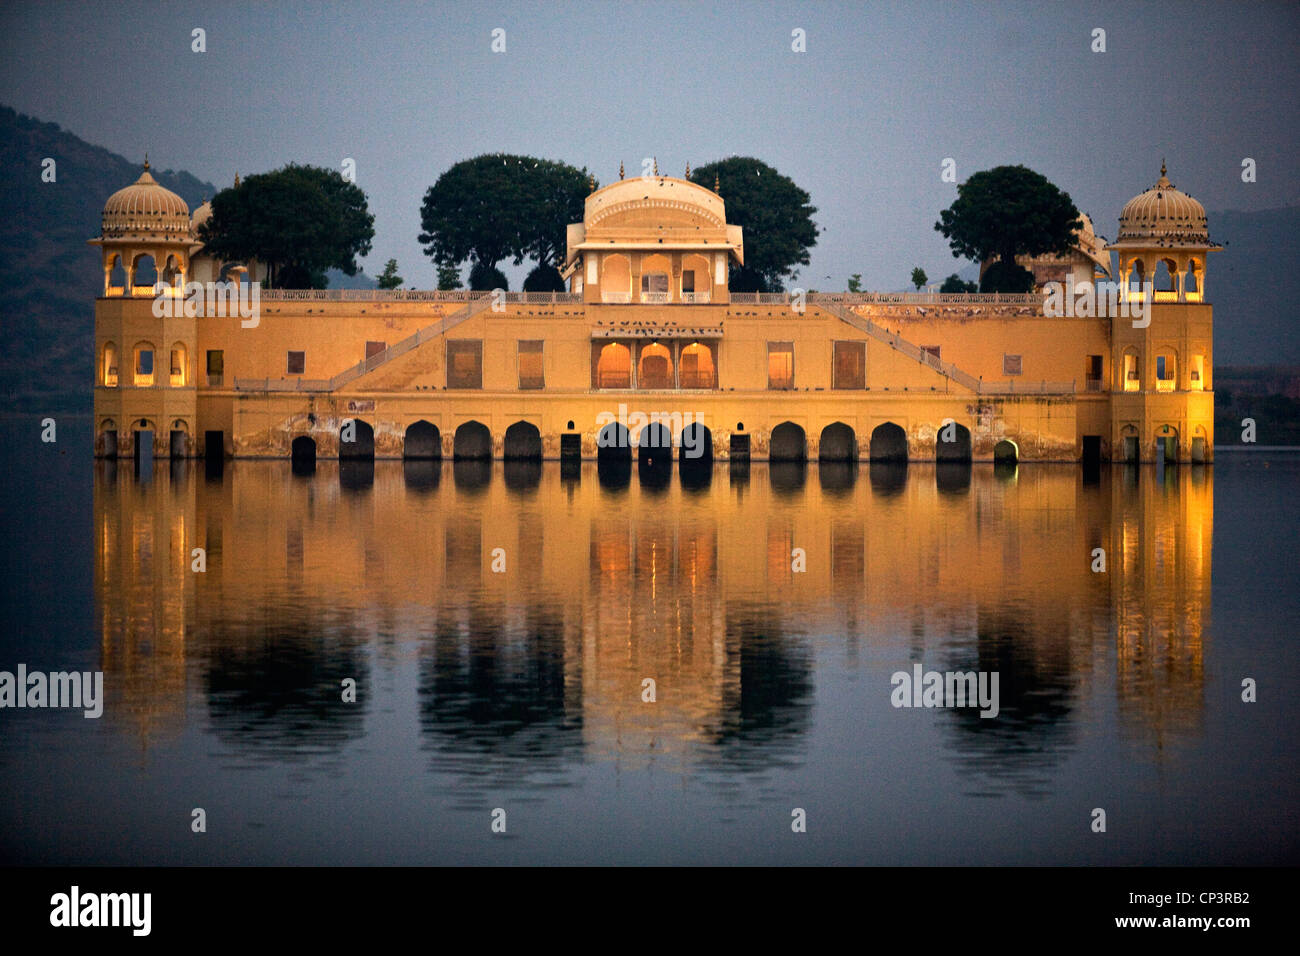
(654, 368)
(695, 444)
(614, 443)
(143, 274)
(523, 441)
(788, 442)
(1130, 370)
(143, 360)
(108, 365)
(1135, 273)
(656, 276)
(696, 367)
(472, 441)
(888, 443)
(107, 441)
(303, 450)
(173, 274)
(179, 439)
(178, 366)
(697, 278)
(1165, 278)
(614, 366)
(114, 275)
(1166, 444)
(952, 442)
(362, 444)
(422, 440)
(1166, 369)
(1006, 451)
(838, 442)
(655, 443)
(1192, 281)
(616, 278)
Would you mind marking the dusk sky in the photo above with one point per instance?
(862, 120)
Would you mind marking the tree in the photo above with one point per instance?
(544, 278)
(776, 217)
(919, 278)
(954, 283)
(501, 206)
(448, 277)
(1005, 212)
(484, 278)
(298, 220)
(389, 279)
(855, 282)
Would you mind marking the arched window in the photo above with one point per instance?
(697, 367)
(655, 369)
(115, 278)
(144, 274)
(614, 367)
(616, 279)
(143, 356)
(1132, 371)
(179, 365)
(697, 283)
(1192, 282)
(654, 278)
(1166, 370)
(110, 365)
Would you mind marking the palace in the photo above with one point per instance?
(649, 334)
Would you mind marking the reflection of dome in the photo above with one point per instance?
(145, 207)
(201, 215)
(1165, 215)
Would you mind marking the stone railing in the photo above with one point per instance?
(415, 295)
(695, 298)
(1013, 387)
(898, 298)
(654, 298)
(616, 298)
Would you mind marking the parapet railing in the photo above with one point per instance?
(895, 298)
(416, 295)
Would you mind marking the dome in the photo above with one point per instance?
(1163, 216)
(145, 207)
(201, 215)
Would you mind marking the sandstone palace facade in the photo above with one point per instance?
(649, 353)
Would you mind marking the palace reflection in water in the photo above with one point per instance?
(611, 577)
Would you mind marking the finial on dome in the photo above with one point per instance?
(146, 161)
(656, 166)
(1163, 171)
(715, 182)
(620, 169)
(236, 180)
(688, 169)
(591, 182)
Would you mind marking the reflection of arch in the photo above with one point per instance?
(522, 440)
(613, 442)
(956, 449)
(363, 440)
(107, 438)
(696, 368)
(888, 443)
(108, 368)
(422, 441)
(696, 443)
(303, 450)
(616, 278)
(1006, 450)
(472, 440)
(787, 443)
(614, 367)
(838, 443)
(655, 368)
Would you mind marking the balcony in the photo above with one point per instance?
(654, 298)
(695, 298)
(1092, 385)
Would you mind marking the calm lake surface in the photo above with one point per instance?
(522, 689)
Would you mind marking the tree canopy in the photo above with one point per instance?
(501, 206)
(389, 279)
(298, 220)
(776, 217)
(1005, 212)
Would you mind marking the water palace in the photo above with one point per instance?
(647, 339)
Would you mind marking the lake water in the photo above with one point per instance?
(523, 688)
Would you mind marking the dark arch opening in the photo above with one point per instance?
(473, 442)
(614, 443)
(838, 443)
(423, 440)
(362, 444)
(1006, 451)
(788, 443)
(522, 441)
(952, 443)
(888, 443)
(655, 444)
(696, 444)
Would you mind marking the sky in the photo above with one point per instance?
(862, 119)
